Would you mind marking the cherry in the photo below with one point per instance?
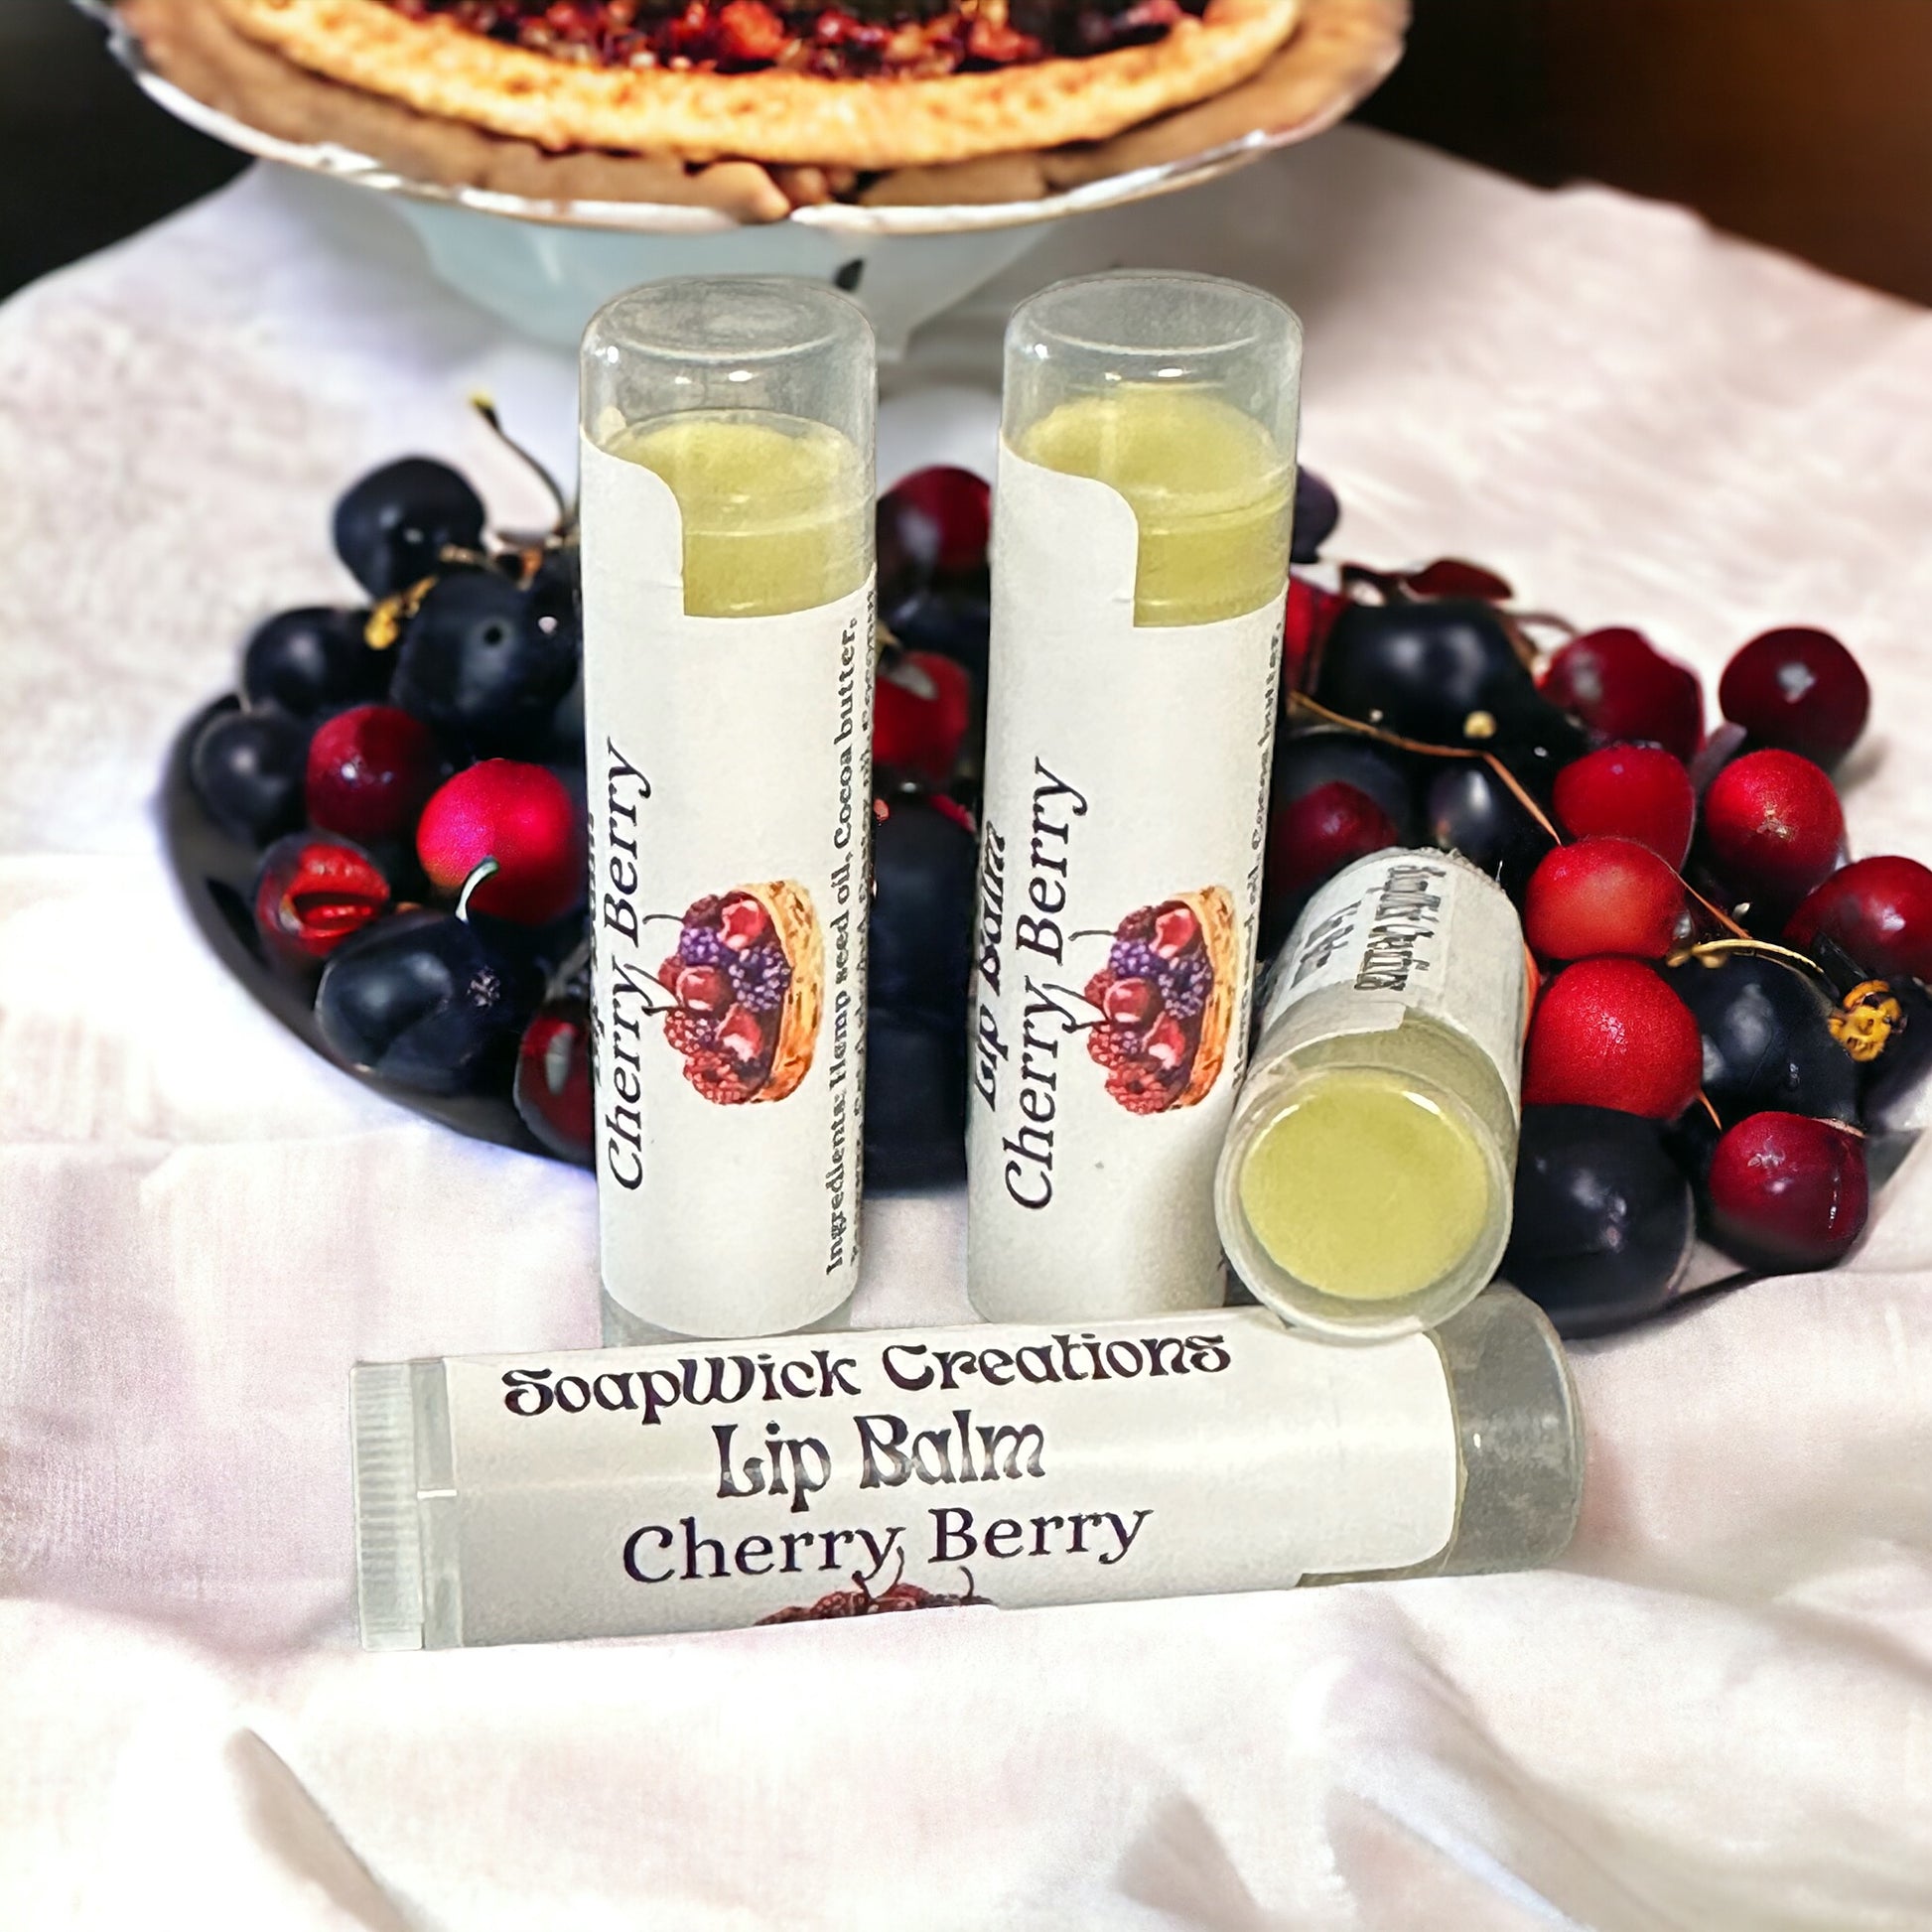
(1604, 1221)
(1439, 671)
(1452, 577)
(245, 767)
(1310, 615)
(740, 1036)
(1622, 687)
(552, 1086)
(922, 710)
(1609, 1032)
(1799, 690)
(311, 660)
(1176, 928)
(924, 866)
(931, 526)
(312, 893)
(1878, 910)
(1470, 811)
(1788, 1192)
(1629, 791)
(945, 620)
(1603, 896)
(1131, 1002)
(1166, 1045)
(487, 663)
(1318, 510)
(370, 771)
(1767, 1037)
(1312, 837)
(915, 1099)
(392, 528)
(424, 1000)
(742, 921)
(1773, 828)
(524, 817)
(1307, 759)
(704, 989)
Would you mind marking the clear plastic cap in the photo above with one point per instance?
(732, 342)
(1181, 392)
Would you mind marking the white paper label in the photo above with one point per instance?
(730, 772)
(1125, 818)
(1400, 932)
(641, 1491)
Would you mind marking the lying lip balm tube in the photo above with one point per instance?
(1365, 1187)
(524, 1499)
(727, 674)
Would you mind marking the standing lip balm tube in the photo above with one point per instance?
(1365, 1187)
(728, 638)
(632, 1491)
(1140, 560)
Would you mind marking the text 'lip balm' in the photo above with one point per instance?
(704, 1486)
(728, 647)
(1140, 560)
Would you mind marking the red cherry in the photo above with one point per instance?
(1315, 835)
(740, 1036)
(1175, 930)
(1773, 827)
(939, 520)
(921, 709)
(1601, 896)
(742, 921)
(312, 893)
(704, 989)
(1621, 686)
(1453, 576)
(1130, 1003)
(1878, 910)
(521, 816)
(1166, 1045)
(1311, 612)
(1629, 791)
(1788, 1191)
(1608, 1033)
(1799, 690)
(369, 771)
(552, 1088)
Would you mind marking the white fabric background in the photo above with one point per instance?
(1717, 1714)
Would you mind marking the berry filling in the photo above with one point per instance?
(730, 976)
(1153, 991)
(892, 39)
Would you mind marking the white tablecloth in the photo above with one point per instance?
(1717, 1714)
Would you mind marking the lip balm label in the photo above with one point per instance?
(728, 762)
(1399, 932)
(631, 1491)
(1120, 881)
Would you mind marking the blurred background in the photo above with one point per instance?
(1801, 123)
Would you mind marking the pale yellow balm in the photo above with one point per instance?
(1365, 1188)
(776, 510)
(1211, 493)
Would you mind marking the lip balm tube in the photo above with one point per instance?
(1365, 1187)
(1140, 558)
(626, 1492)
(728, 653)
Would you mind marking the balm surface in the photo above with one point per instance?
(1208, 489)
(1365, 1188)
(776, 512)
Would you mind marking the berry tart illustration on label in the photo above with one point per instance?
(1125, 807)
(1165, 997)
(730, 772)
(749, 979)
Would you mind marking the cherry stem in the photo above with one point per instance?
(1080, 999)
(1738, 933)
(1745, 943)
(487, 869)
(487, 409)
